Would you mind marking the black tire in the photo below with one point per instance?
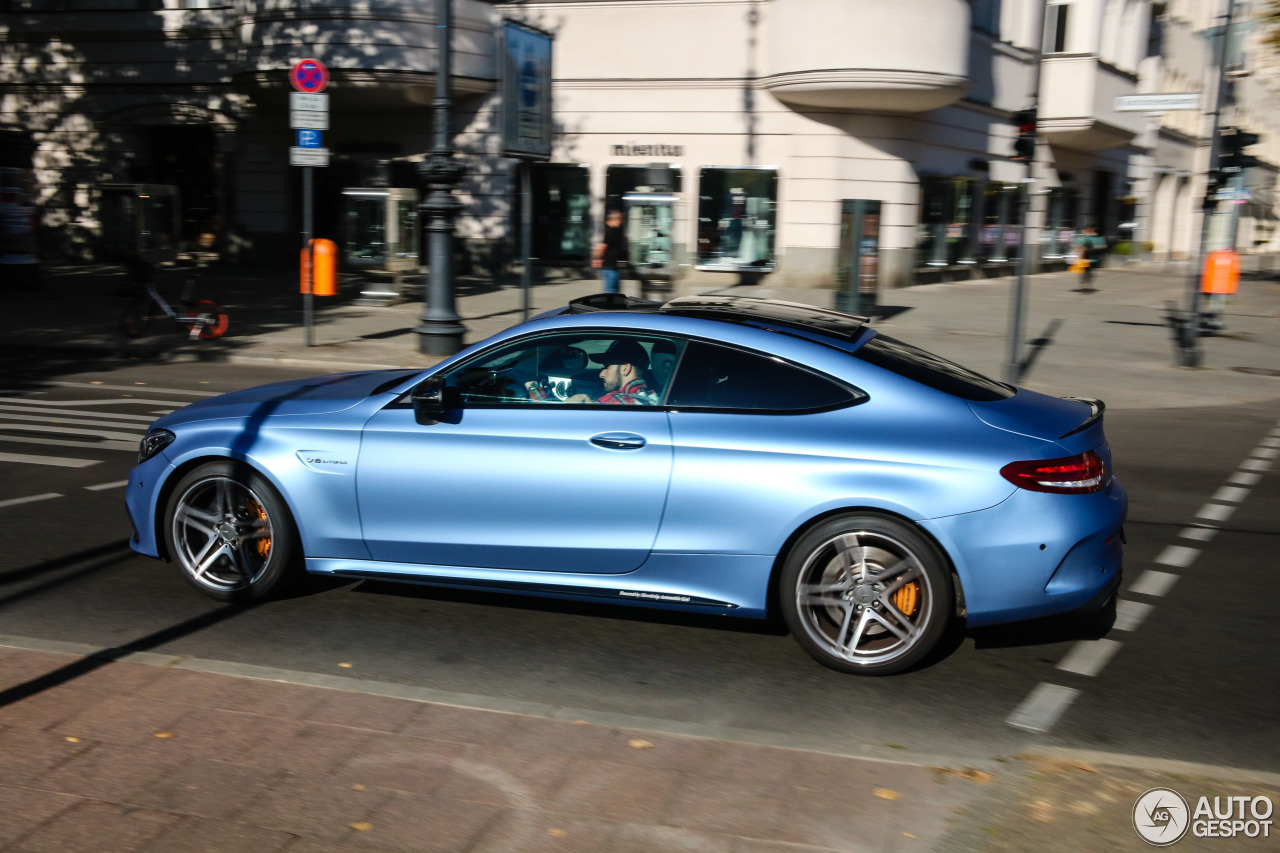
(867, 594)
(231, 534)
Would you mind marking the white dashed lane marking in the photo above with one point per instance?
(1153, 583)
(1244, 478)
(1265, 452)
(1215, 512)
(1230, 494)
(1178, 555)
(1200, 534)
(1255, 465)
(1269, 442)
(1039, 711)
(31, 499)
(101, 487)
(1088, 657)
(1131, 614)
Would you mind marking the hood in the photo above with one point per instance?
(315, 396)
(1065, 421)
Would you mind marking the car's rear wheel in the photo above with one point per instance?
(230, 533)
(866, 594)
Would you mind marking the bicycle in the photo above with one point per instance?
(203, 318)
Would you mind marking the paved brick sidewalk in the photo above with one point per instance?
(108, 756)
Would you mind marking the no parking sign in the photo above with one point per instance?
(309, 75)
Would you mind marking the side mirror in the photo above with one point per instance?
(430, 400)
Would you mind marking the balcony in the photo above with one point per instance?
(1077, 103)
(903, 56)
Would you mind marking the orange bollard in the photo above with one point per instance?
(325, 274)
(1221, 275)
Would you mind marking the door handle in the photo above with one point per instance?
(618, 441)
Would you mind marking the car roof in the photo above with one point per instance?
(732, 309)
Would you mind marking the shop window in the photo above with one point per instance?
(620, 180)
(1059, 223)
(947, 220)
(561, 204)
(737, 218)
(999, 241)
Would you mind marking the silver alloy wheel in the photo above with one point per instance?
(222, 534)
(864, 597)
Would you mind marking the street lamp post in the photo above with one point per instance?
(440, 330)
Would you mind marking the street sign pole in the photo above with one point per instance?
(1013, 371)
(309, 115)
(1189, 354)
(526, 234)
(308, 297)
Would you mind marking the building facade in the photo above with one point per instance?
(807, 143)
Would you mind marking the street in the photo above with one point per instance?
(1185, 673)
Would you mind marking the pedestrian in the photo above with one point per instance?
(1089, 247)
(612, 252)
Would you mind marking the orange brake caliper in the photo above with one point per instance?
(264, 544)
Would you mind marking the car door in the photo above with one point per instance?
(509, 482)
(756, 441)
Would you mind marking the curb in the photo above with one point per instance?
(674, 728)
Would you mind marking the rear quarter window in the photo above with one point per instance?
(932, 370)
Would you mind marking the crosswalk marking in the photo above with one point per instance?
(60, 461)
(31, 499)
(136, 388)
(101, 433)
(49, 410)
(46, 419)
(131, 445)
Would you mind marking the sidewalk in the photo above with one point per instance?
(1113, 343)
(163, 755)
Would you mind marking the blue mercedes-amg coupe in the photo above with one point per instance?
(714, 454)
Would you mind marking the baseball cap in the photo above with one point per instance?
(623, 351)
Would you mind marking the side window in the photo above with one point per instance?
(594, 368)
(717, 377)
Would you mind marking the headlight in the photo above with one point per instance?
(156, 440)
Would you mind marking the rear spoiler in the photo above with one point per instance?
(1097, 407)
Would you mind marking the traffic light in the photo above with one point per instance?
(1024, 144)
(1232, 142)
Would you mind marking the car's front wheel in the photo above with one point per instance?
(866, 593)
(230, 533)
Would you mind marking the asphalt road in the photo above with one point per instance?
(1192, 677)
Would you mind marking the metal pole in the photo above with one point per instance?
(1189, 354)
(526, 232)
(308, 307)
(440, 331)
(1013, 370)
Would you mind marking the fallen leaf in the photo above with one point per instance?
(139, 383)
(886, 794)
(95, 382)
(580, 723)
(975, 775)
(165, 734)
(362, 825)
(556, 833)
(346, 665)
(640, 744)
(73, 739)
(908, 835)
(357, 787)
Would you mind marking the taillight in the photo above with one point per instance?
(1072, 475)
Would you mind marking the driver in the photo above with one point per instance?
(625, 363)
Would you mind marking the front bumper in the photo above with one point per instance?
(1036, 554)
(141, 500)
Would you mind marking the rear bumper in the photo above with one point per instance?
(1036, 554)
